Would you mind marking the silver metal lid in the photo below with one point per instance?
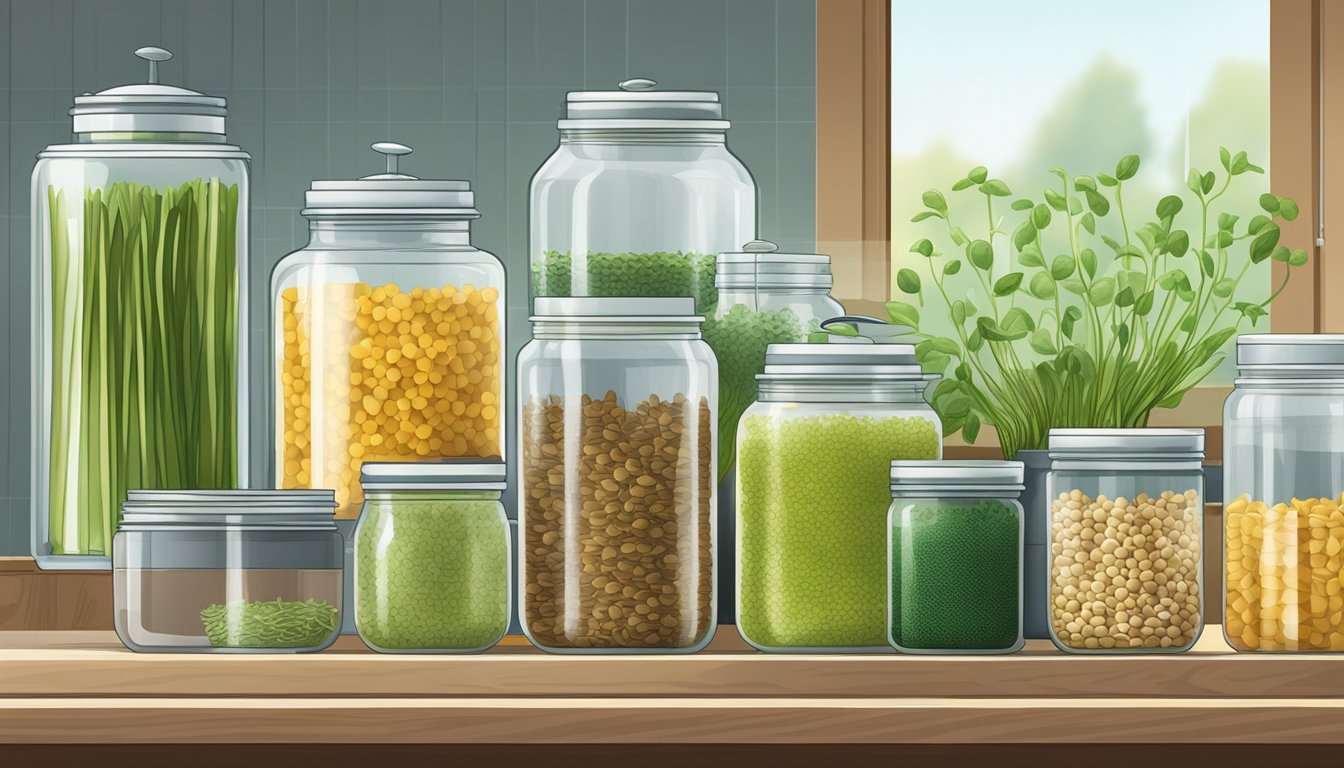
(886, 362)
(951, 476)
(615, 309)
(245, 508)
(150, 107)
(391, 193)
(760, 265)
(1148, 443)
(433, 475)
(1271, 350)
(637, 105)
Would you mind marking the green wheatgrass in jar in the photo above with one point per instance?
(739, 339)
(813, 494)
(274, 623)
(631, 274)
(954, 576)
(432, 573)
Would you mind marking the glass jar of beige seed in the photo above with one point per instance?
(616, 476)
(1126, 518)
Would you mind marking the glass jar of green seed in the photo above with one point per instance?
(140, 313)
(432, 557)
(955, 556)
(814, 456)
(639, 197)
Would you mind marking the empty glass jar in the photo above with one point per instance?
(228, 572)
(388, 333)
(139, 248)
(1283, 476)
(432, 564)
(639, 197)
(814, 456)
(955, 556)
(616, 476)
(1125, 565)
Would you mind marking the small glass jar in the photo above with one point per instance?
(388, 333)
(1283, 487)
(616, 477)
(227, 572)
(814, 458)
(954, 557)
(140, 313)
(1126, 522)
(638, 198)
(432, 563)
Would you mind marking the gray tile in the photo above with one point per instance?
(279, 44)
(491, 49)
(32, 49)
(348, 156)
(527, 148)
(373, 44)
(280, 174)
(343, 105)
(209, 46)
(372, 104)
(416, 57)
(173, 35)
(559, 43)
(797, 105)
(797, 34)
(248, 47)
(604, 44)
(459, 104)
(247, 104)
(415, 105)
(521, 43)
(491, 105)
(750, 105)
(312, 104)
(751, 43)
(122, 28)
(18, 390)
(681, 45)
(757, 146)
(457, 35)
(310, 159)
(312, 38)
(25, 141)
(442, 151)
(797, 182)
(281, 105)
(344, 30)
(43, 105)
(535, 105)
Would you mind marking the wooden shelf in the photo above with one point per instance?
(49, 680)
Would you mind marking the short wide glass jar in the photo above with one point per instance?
(955, 556)
(1283, 486)
(616, 476)
(1126, 520)
(814, 455)
(227, 571)
(432, 563)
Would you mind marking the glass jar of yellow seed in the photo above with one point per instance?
(1126, 517)
(387, 333)
(1283, 476)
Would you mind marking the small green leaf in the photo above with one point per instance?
(1264, 243)
(970, 429)
(1007, 284)
(1090, 223)
(981, 254)
(1195, 182)
(1031, 256)
(901, 313)
(1042, 341)
(1225, 157)
(1170, 280)
(1024, 234)
(1127, 167)
(1061, 267)
(1125, 297)
(1017, 319)
(908, 281)
(922, 215)
(1239, 164)
(995, 188)
(1144, 305)
(1071, 315)
(958, 311)
(1206, 264)
(1102, 291)
(1298, 258)
(1107, 180)
(958, 236)
(975, 340)
(934, 200)
(1129, 252)
(1060, 172)
(1169, 206)
(1227, 222)
(1223, 288)
(1075, 286)
(1178, 243)
(978, 174)
(952, 268)
(944, 345)
(1098, 204)
(1075, 207)
(1111, 243)
(1089, 259)
(1042, 287)
(1206, 182)
(1281, 253)
(963, 184)
(818, 337)
(1056, 200)
(1258, 223)
(1288, 208)
(1269, 202)
(1084, 183)
(923, 247)
(1223, 239)
(843, 329)
(1040, 216)
(1021, 204)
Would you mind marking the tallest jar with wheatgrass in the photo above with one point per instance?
(139, 358)
(388, 333)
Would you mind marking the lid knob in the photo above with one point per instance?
(154, 55)
(637, 84)
(392, 151)
(760, 246)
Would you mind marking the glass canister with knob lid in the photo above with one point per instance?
(139, 248)
(388, 333)
(639, 197)
(616, 477)
(814, 456)
(1283, 487)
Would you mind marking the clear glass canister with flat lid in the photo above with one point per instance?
(139, 248)
(388, 333)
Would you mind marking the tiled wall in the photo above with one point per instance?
(474, 85)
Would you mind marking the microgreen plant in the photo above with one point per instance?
(1085, 329)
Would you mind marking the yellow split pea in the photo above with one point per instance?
(374, 373)
(1285, 575)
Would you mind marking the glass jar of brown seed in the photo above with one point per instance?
(1126, 518)
(616, 477)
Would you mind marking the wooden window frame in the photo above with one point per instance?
(854, 169)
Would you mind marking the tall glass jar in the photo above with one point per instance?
(814, 455)
(616, 477)
(432, 564)
(1126, 521)
(388, 331)
(1283, 486)
(139, 247)
(955, 556)
(639, 197)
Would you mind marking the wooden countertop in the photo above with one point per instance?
(83, 687)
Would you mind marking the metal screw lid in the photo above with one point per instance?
(760, 265)
(888, 362)
(950, 476)
(149, 107)
(1269, 350)
(606, 309)
(245, 508)
(1146, 443)
(433, 475)
(636, 104)
(391, 193)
